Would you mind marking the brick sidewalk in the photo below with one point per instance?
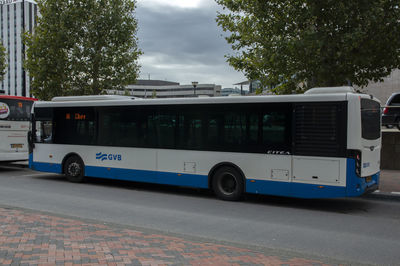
(32, 238)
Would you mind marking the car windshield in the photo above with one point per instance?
(395, 100)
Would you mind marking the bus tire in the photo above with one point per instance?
(74, 169)
(228, 184)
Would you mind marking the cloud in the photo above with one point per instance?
(183, 44)
(173, 3)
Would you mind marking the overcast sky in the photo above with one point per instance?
(182, 42)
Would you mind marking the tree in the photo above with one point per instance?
(298, 44)
(82, 47)
(3, 61)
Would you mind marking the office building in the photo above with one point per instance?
(16, 16)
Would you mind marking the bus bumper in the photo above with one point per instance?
(357, 186)
(371, 189)
(13, 156)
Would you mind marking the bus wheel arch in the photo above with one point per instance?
(73, 168)
(232, 176)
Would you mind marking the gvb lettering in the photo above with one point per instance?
(109, 157)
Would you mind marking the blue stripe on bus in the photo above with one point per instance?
(186, 180)
(292, 189)
(47, 167)
(178, 179)
(355, 185)
(30, 160)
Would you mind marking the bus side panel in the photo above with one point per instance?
(131, 164)
(318, 177)
(42, 159)
(256, 167)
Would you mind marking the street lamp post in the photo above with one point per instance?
(194, 83)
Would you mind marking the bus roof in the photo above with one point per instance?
(328, 94)
(199, 100)
(17, 98)
(92, 98)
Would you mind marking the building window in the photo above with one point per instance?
(30, 17)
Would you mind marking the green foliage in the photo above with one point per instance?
(297, 44)
(154, 94)
(82, 47)
(3, 61)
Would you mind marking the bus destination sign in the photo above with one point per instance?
(75, 116)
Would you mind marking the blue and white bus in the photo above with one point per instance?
(322, 144)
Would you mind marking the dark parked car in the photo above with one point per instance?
(391, 113)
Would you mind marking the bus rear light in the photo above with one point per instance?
(386, 110)
(356, 155)
(358, 164)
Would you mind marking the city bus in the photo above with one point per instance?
(15, 114)
(322, 144)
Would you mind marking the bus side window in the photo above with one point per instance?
(44, 132)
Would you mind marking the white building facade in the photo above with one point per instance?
(383, 90)
(167, 89)
(16, 16)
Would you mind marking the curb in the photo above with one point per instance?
(395, 196)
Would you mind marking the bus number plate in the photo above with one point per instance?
(15, 146)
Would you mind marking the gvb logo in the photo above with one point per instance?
(110, 157)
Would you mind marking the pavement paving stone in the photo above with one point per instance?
(33, 238)
(390, 181)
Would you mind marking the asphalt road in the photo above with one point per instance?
(353, 230)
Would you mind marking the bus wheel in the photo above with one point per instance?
(74, 169)
(228, 184)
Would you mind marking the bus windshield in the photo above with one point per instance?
(15, 109)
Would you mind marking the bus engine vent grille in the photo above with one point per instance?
(320, 129)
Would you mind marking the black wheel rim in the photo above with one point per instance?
(74, 169)
(228, 184)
